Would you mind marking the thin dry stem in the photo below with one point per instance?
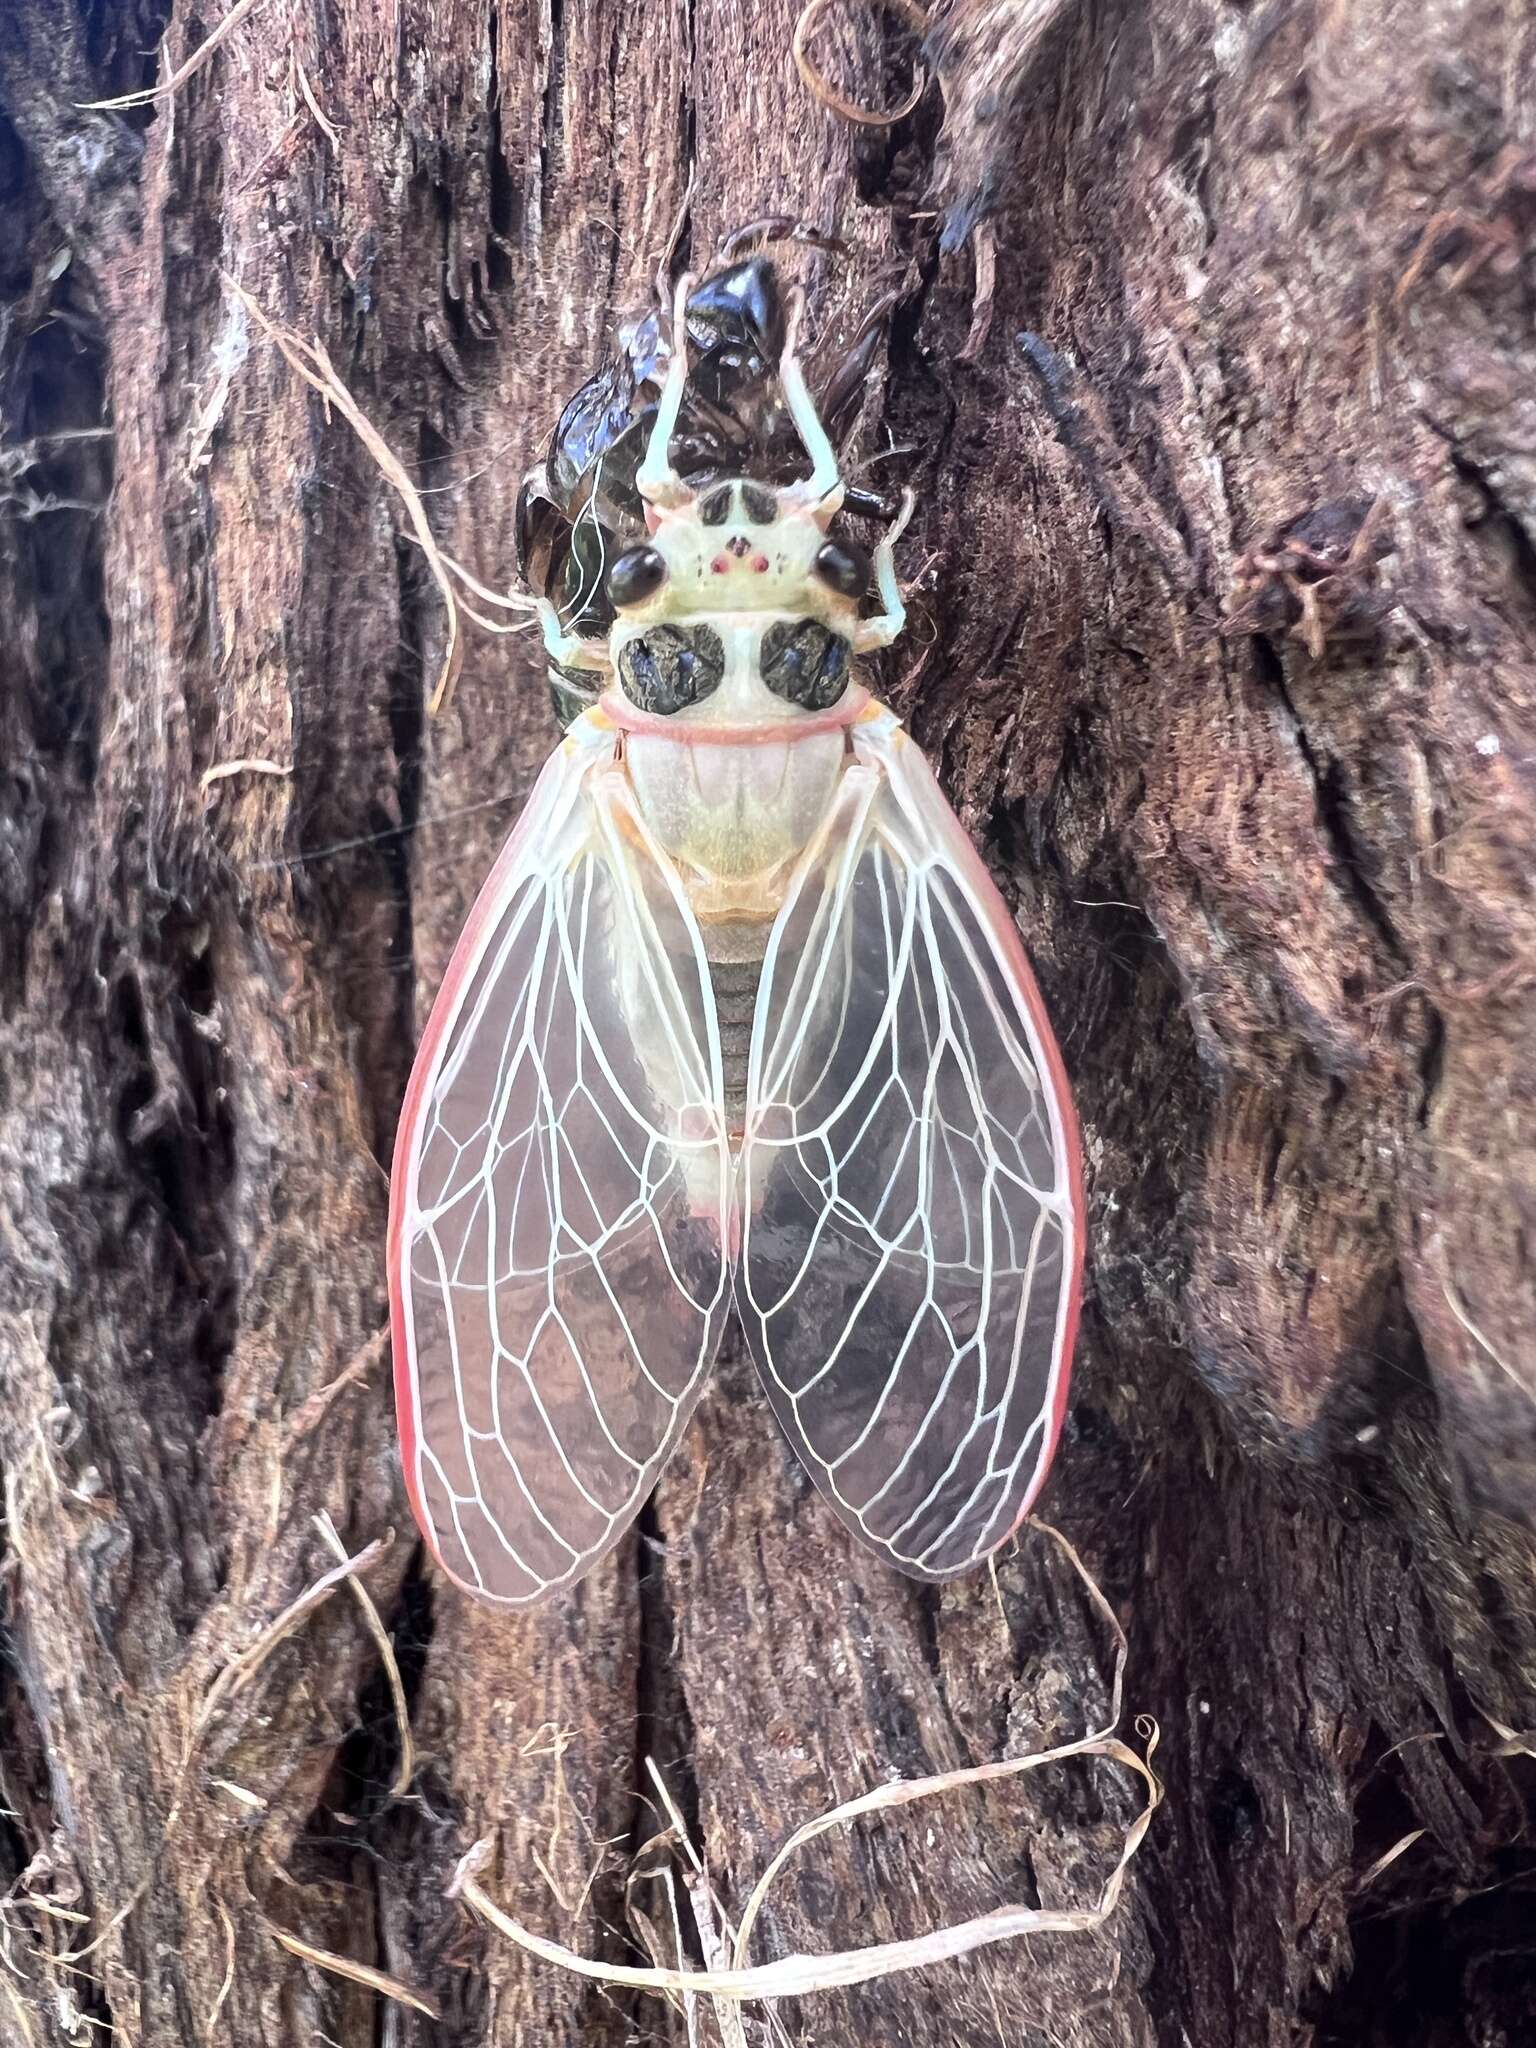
(358, 1973)
(709, 1915)
(20, 2010)
(307, 90)
(309, 360)
(229, 1971)
(642, 1925)
(188, 68)
(1459, 1312)
(407, 1766)
(247, 764)
(40, 1905)
(708, 1919)
(509, 602)
(308, 1416)
(241, 1669)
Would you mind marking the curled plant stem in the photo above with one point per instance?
(810, 21)
(795, 1975)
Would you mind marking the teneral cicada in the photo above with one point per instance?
(739, 1017)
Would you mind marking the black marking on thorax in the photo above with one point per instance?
(667, 668)
(804, 662)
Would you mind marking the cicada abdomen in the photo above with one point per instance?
(738, 1017)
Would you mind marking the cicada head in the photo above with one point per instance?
(743, 545)
(740, 547)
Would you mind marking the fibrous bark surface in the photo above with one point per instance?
(1224, 640)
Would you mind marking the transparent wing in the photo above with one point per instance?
(558, 1277)
(911, 1198)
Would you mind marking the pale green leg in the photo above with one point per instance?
(656, 480)
(825, 481)
(569, 649)
(881, 630)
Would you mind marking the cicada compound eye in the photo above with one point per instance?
(636, 575)
(843, 568)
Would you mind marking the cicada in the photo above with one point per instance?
(738, 1018)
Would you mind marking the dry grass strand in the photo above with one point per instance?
(1384, 1862)
(1511, 1741)
(357, 1973)
(795, 1976)
(1458, 1310)
(27, 2036)
(309, 360)
(407, 1766)
(503, 600)
(188, 68)
(228, 1983)
(909, 1790)
(301, 77)
(242, 1668)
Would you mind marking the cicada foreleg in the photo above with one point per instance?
(566, 648)
(656, 480)
(822, 490)
(888, 622)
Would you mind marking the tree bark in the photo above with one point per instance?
(1225, 588)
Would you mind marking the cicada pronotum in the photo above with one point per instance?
(739, 1017)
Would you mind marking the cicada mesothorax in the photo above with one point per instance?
(739, 1017)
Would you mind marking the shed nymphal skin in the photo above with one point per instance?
(1277, 885)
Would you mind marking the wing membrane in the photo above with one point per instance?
(910, 1179)
(557, 1261)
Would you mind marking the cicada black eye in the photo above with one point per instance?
(637, 574)
(843, 568)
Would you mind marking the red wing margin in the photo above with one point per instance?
(911, 1184)
(558, 1276)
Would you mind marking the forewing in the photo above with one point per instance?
(911, 1184)
(558, 1277)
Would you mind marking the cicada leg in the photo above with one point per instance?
(887, 623)
(567, 648)
(823, 488)
(656, 480)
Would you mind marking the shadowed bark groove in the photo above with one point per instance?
(1224, 641)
